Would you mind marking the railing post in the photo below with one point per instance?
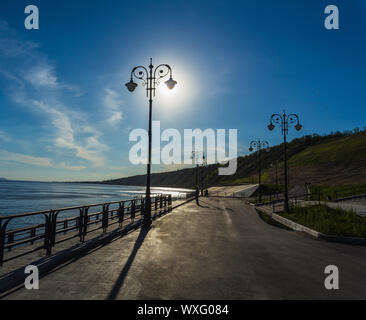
(83, 223)
(50, 231)
(54, 226)
(2, 241)
(133, 208)
(3, 227)
(161, 201)
(33, 234)
(10, 239)
(142, 208)
(156, 202)
(80, 224)
(105, 218)
(121, 213)
(47, 234)
(77, 222)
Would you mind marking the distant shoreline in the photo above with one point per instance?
(94, 182)
(36, 181)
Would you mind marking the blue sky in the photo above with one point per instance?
(66, 115)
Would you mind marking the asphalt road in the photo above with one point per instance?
(219, 250)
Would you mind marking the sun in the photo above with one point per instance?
(179, 99)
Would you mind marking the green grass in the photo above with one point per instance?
(336, 191)
(328, 220)
(308, 156)
(270, 189)
(239, 181)
(339, 150)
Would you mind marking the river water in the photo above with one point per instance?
(25, 196)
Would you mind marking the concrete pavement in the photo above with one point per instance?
(219, 250)
(358, 206)
(244, 190)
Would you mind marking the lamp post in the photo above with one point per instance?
(285, 121)
(196, 155)
(259, 145)
(275, 164)
(150, 78)
(204, 164)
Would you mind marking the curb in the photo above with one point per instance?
(316, 234)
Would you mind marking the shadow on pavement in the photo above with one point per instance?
(211, 206)
(199, 205)
(14, 280)
(119, 282)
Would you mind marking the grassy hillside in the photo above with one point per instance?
(338, 158)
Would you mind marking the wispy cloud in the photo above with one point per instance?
(35, 161)
(64, 136)
(112, 102)
(4, 136)
(12, 46)
(32, 83)
(42, 76)
(63, 165)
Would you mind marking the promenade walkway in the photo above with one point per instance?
(243, 190)
(218, 250)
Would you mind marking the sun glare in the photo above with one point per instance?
(180, 97)
(165, 91)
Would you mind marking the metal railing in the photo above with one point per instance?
(277, 200)
(53, 229)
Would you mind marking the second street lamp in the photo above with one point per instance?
(150, 79)
(259, 145)
(275, 164)
(204, 164)
(285, 121)
(197, 155)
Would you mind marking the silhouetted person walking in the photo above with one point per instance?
(197, 195)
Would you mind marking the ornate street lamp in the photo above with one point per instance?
(275, 164)
(285, 121)
(203, 173)
(259, 145)
(197, 155)
(150, 79)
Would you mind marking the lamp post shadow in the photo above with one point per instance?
(121, 278)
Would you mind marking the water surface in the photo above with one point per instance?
(25, 196)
